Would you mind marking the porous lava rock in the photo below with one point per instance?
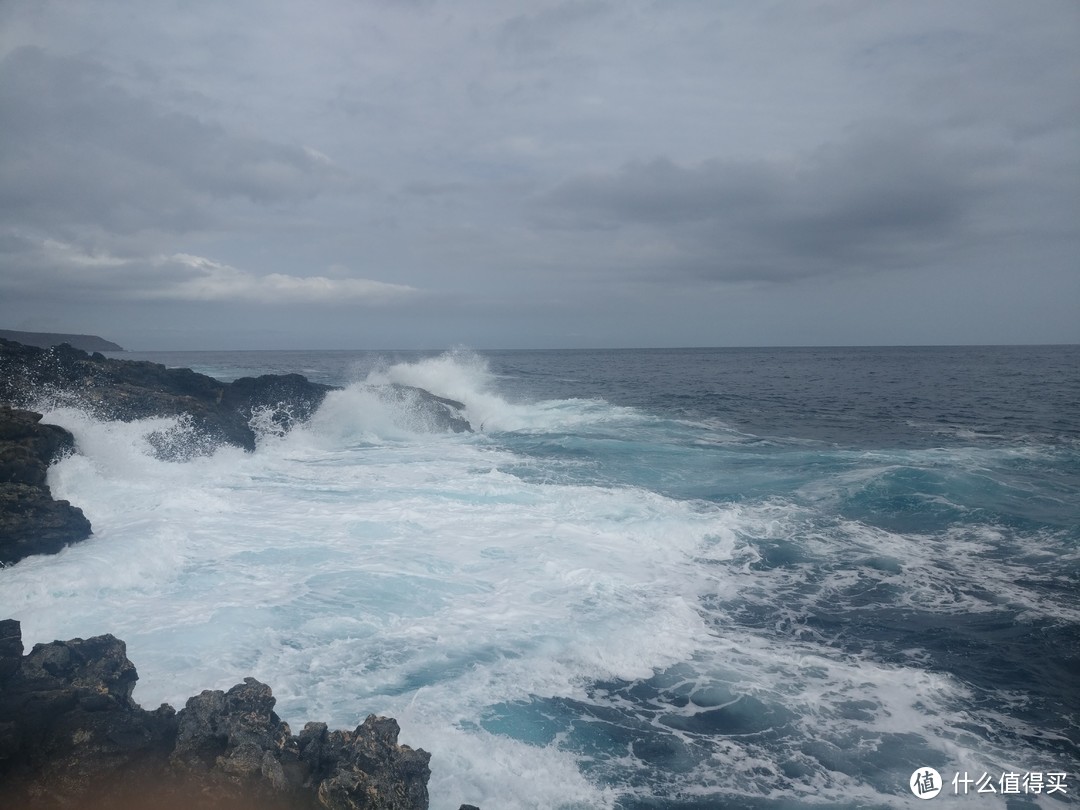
(71, 736)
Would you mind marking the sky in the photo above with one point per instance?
(351, 174)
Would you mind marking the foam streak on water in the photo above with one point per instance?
(590, 603)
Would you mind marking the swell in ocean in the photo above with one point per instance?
(647, 579)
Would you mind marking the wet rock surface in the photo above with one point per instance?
(31, 520)
(211, 412)
(428, 411)
(217, 412)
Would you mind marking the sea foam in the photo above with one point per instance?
(546, 604)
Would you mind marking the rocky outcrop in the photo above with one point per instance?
(233, 743)
(215, 412)
(424, 411)
(71, 735)
(211, 412)
(68, 725)
(31, 521)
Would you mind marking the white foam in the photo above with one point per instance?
(358, 567)
(363, 563)
(466, 377)
(491, 771)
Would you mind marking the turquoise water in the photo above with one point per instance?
(653, 579)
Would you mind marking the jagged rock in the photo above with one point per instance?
(70, 725)
(217, 412)
(212, 412)
(70, 734)
(426, 410)
(233, 743)
(366, 769)
(31, 520)
(28, 447)
(287, 398)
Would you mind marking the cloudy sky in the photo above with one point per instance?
(488, 173)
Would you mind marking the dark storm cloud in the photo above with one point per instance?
(76, 149)
(883, 198)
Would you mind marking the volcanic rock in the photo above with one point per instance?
(71, 735)
(210, 412)
(31, 520)
(214, 412)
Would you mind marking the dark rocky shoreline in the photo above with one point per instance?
(209, 413)
(215, 412)
(31, 520)
(70, 733)
(212, 412)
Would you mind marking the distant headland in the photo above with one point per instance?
(45, 340)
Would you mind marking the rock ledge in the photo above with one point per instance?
(71, 735)
(31, 521)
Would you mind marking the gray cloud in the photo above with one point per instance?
(78, 150)
(883, 198)
(542, 30)
(75, 274)
(570, 172)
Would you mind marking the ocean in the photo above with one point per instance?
(663, 579)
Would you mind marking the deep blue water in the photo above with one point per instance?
(673, 578)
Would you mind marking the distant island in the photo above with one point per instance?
(44, 340)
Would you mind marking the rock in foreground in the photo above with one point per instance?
(71, 736)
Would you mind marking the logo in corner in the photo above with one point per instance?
(925, 783)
